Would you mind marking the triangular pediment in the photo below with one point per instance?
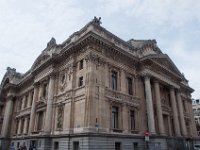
(165, 62)
(42, 58)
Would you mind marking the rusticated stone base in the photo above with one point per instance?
(92, 141)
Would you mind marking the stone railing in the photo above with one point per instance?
(166, 108)
(122, 98)
(23, 112)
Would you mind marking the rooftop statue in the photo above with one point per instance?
(97, 20)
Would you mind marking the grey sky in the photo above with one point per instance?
(26, 26)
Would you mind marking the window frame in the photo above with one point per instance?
(114, 80)
(80, 81)
(130, 85)
(81, 64)
(115, 118)
(132, 127)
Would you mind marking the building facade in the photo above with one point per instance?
(196, 111)
(97, 91)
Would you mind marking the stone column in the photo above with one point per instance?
(149, 105)
(23, 102)
(7, 117)
(49, 109)
(175, 112)
(25, 125)
(19, 126)
(33, 107)
(159, 108)
(181, 114)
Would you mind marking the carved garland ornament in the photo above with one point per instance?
(62, 81)
(60, 116)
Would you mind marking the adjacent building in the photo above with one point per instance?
(96, 91)
(196, 111)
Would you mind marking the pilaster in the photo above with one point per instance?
(125, 118)
(90, 110)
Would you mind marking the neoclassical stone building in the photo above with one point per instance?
(97, 91)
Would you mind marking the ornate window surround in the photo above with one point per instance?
(118, 71)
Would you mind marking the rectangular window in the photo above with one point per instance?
(80, 81)
(130, 86)
(81, 65)
(17, 125)
(76, 146)
(56, 146)
(44, 90)
(20, 104)
(32, 95)
(117, 146)
(25, 102)
(132, 119)
(22, 126)
(114, 80)
(114, 117)
(40, 120)
(135, 146)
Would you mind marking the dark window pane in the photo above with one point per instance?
(81, 65)
(130, 86)
(76, 146)
(114, 80)
(132, 120)
(117, 146)
(114, 117)
(56, 146)
(40, 121)
(81, 81)
(135, 146)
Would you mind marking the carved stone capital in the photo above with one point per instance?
(148, 72)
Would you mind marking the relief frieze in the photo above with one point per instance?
(95, 58)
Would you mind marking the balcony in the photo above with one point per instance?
(122, 97)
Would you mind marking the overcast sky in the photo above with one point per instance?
(26, 26)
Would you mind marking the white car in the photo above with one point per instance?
(197, 147)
